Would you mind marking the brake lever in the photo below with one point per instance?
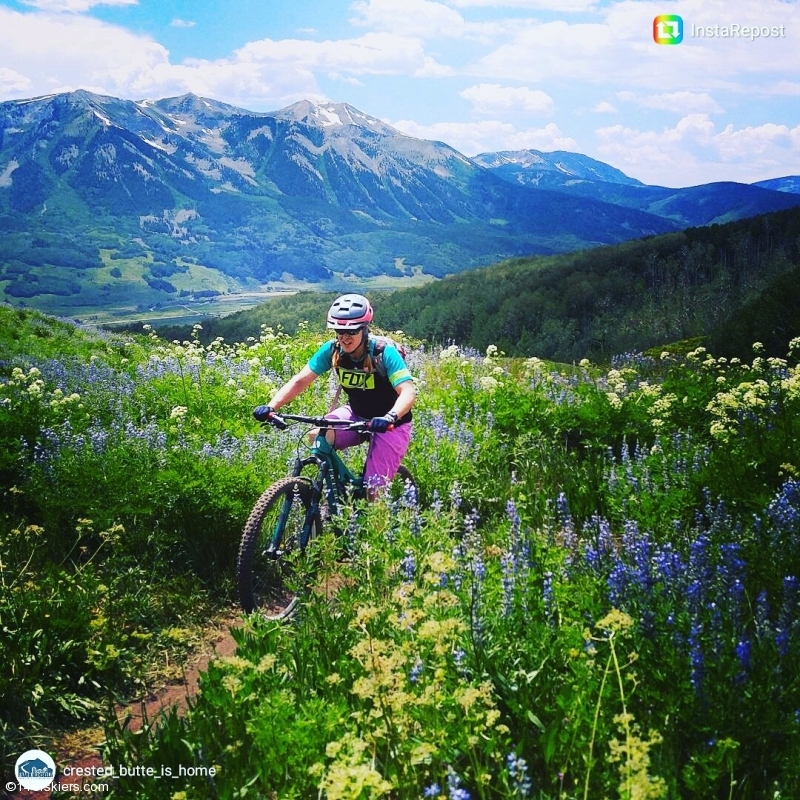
(276, 422)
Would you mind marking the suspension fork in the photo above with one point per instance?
(321, 484)
(313, 509)
(311, 512)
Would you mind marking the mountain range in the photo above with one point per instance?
(109, 202)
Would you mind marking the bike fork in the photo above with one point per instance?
(273, 551)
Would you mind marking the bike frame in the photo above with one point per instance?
(332, 479)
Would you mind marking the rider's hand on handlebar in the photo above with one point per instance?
(382, 424)
(263, 413)
(267, 415)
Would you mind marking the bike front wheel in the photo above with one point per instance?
(271, 568)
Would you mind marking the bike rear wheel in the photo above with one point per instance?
(271, 567)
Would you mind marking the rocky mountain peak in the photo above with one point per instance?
(333, 117)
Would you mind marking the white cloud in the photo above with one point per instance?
(783, 88)
(472, 138)
(534, 5)
(679, 102)
(420, 18)
(492, 99)
(694, 152)
(427, 20)
(76, 6)
(616, 47)
(45, 53)
(536, 52)
(373, 53)
(56, 52)
(11, 82)
(604, 107)
(182, 23)
(759, 142)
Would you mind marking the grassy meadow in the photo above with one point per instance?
(594, 596)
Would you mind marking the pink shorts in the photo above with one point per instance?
(386, 450)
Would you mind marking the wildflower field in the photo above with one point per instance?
(595, 594)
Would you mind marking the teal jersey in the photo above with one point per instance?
(371, 394)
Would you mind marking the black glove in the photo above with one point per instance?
(263, 413)
(382, 424)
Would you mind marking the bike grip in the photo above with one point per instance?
(276, 422)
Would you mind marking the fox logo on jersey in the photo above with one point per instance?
(351, 379)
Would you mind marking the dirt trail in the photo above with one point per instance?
(176, 695)
(81, 749)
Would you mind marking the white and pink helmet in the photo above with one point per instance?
(350, 312)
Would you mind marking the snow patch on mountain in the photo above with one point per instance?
(5, 176)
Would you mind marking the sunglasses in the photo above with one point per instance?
(347, 331)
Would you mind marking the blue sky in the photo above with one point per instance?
(481, 75)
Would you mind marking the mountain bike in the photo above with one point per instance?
(274, 565)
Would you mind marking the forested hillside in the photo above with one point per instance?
(735, 283)
(610, 300)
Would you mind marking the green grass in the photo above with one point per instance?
(597, 598)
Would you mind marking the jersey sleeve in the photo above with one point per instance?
(322, 360)
(396, 370)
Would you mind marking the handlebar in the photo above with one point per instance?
(279, 421)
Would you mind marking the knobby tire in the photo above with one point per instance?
(268, 582)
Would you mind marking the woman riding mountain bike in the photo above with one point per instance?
(379, 388)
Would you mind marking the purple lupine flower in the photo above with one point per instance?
(518, 773)
(695, 594)
(455, 792)
(508, 569)
(596, 552)
(743, 650)
(439, 427)
(471, 523)
(455, 496)
(513, 515)
(478, 567)
(638, 545)
(668, 567)
(548, 596)
(784, 510)
(699, 572)
(716, 626)
(696, 656)
(568, 532)
(410, 497)
(409, 566)
(787, 619)
(458, 555)
(617, 583)
(762, 615)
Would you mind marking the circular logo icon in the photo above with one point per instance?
(35, 770)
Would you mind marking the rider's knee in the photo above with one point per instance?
(330, 436)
